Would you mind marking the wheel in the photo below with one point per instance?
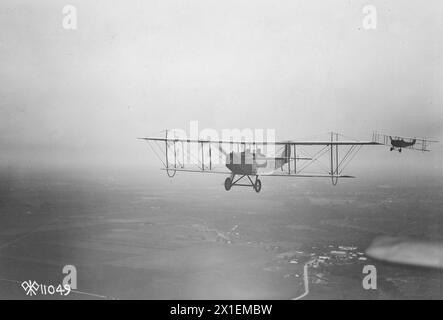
(257, 186)
(399, 150)
(228, 184)
(391, 149)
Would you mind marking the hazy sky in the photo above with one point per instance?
(133, 68)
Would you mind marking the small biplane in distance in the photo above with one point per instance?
(399, 143)
(245, 161)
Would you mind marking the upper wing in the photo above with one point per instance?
(289, 142)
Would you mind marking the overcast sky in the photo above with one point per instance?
(133, 68)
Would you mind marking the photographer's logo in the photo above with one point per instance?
(33, 288)
(71, 277)
(370, 280)
(30, 287)
(370, 18)
(69, 21)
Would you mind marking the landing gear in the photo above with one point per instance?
(257, 185)
(230, 182)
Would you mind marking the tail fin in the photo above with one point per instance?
(284, 158)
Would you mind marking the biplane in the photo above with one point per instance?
(245, 161)
(399, 143)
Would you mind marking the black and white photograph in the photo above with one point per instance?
(240, 152)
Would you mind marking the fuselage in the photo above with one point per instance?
(244, 163)
(400, 143)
